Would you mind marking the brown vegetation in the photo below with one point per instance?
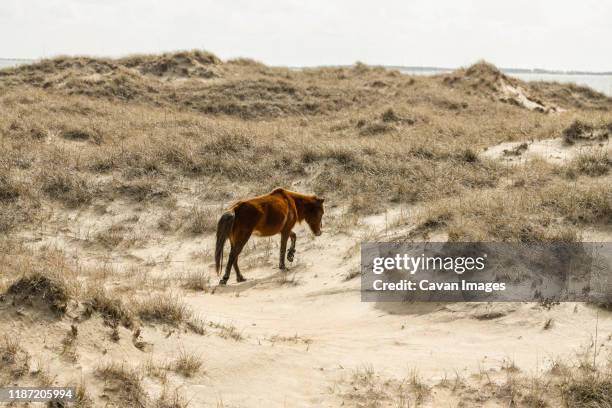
(39, 287)
(149, 148)
(420, 149)
(563, 385)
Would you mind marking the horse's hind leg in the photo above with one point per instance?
(231, 260)
(291, 251)
(237, 247)
(239, 277)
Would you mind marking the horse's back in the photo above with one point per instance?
(266, 214)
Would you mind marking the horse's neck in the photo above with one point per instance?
(298, 199)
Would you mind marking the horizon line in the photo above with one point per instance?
(405, 67)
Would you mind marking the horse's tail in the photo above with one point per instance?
(224, 227)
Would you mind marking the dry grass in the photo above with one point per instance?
(552, 213)
(69, 188)
(227, 331)
(112, 308)
(69, 345)
(161, 308)
(566, 386)
(295, 339)
(156, 370)
(202, 220)
(38, 287)
(368, 389)
(82, 398)
(592, 163)
(580, 131)
(197, 281)
(124, 383)
(403, 142)
(196, 325)
(170, 400)
(186, 364)
(112, 236)
(587, 390)
(15, 361)
(169, 134)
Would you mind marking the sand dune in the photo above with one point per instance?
(115, 172)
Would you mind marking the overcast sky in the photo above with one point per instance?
(555, 34)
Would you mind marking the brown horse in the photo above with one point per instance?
(274, 213)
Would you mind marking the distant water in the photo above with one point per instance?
(601, 83)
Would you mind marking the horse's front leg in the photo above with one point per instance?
(283, 249)
(291, 251)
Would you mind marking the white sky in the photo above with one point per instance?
(555, 34)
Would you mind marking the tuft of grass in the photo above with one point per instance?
(196, 325)
(142, 190)
(69, 343)
(367, 388)
(162, 308)
(468, 156)
(77, 134)
(155, 370)
(389, 115)
(197, 281)
(168, 222)
(9, 349)
(125, 383)
(112, 236)
(419, 389)
(201, 220)
(82, 398)
(9, 189)
(376, 128)
(590, 390)
(510, 366)
(51, 291)
(186, 364)
(173, 400)
(594, 163)
(581, 130)
(69, 188)
(112, 309)
(227, 331)
(15, 361)
(295, 339)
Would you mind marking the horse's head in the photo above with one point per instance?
(314, 214)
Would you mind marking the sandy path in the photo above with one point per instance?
(345, 334)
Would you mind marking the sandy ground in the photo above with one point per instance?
(306, 331)
(551, 150)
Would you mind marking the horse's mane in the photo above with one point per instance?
(294, 194)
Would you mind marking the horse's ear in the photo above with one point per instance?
(320, 200)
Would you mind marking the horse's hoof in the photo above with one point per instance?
(290, 255)
(240, 279)
(223, 282)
